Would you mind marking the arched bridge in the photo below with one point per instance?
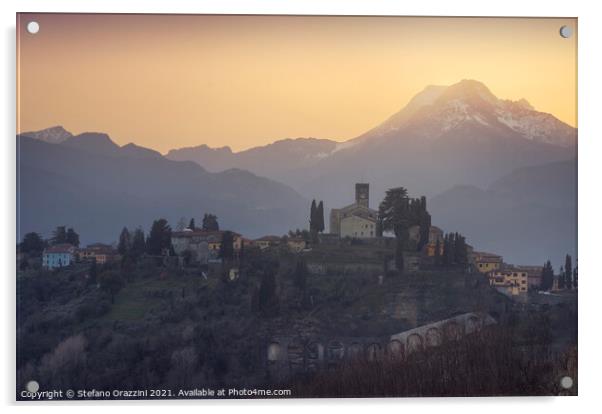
(289, 355)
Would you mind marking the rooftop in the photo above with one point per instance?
(60, 248)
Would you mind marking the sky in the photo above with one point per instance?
(172, 81)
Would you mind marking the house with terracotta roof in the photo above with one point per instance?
(267, 241)
(534, 274)
(99, 252)
(57, 256)
(486, 262)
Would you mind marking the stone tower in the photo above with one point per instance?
(362, 194)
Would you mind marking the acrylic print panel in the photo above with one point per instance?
(215, 206)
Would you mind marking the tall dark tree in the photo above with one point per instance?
(32, 243)
(568, 272)
(191, 225)
(125, 242)
(575, 277)
(72, 237)
(210, 222)
(547, 276)
(394, 213)
(460, 248)
(320, 217)
(226, 250)
(398, 213)
(59, 235)
(562, 278)
(138, 244)
(449, 250)
(313, 217)
(159, 238)
(424, 221)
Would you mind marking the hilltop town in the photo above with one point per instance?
(381, 283)
(355, 226)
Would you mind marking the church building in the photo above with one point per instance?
(357, 220)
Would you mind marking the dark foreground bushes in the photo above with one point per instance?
(484, 364)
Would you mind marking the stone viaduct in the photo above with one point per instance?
(289, 355)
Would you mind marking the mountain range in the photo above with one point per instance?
(445, 136)
(496, 170)
(90, 183)
(528, 216)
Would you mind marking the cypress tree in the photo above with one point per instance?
(72, 237)
(320, 217)
(575, 277)
(568, 270)
(547, 276)
(124, 242)
(159, 237)
(561, 278)
(446, 250)
(191, 225)
(226, 251)
(313, 224)
(138, 243)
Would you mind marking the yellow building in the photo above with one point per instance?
(486, 262)
(101, 253)
(515, 281)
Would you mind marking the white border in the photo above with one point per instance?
(590, 95)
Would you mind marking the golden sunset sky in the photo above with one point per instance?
(170, 81)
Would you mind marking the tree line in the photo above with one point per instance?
(567, 277)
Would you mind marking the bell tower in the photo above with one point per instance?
(362, 194)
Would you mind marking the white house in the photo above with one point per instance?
(57, 256)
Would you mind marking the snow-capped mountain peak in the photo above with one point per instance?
(52, 135)
(438, 110)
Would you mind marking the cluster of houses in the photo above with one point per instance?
(63, 255)
(355, 221)
(509, 279)
(203, 247)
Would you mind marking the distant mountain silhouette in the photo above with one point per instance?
(528, 216)
(283, 160)
(97, 187)
(445, 136)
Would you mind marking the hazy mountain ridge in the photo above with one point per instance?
(445, 136)
(271, 159)
(529, 215)
(98, 188)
